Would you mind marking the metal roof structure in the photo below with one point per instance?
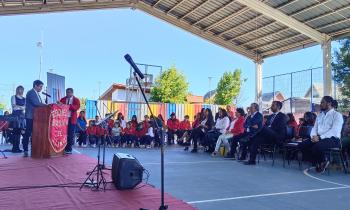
(256, 29)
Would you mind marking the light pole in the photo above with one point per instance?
(210, 78)
(40, 46)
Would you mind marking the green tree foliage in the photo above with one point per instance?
(170, 87)
(341, 69)
(82, 103)
(2, 106)
(229, 87)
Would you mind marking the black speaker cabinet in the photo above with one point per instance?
(127, 171)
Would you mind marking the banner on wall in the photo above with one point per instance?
(55, 87)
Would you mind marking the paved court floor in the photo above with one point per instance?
(215, 183)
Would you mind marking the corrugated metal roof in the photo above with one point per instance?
(229, 23)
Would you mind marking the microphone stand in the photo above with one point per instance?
(162, 206)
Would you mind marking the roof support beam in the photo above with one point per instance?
(238, 13)
(155, 4)
(175, 6)
(254, 19)
(215, 12)
(286, 29)
(194, 9)
(284, 19)
(47, 8)
(327, 70)
(194, 30)
(298, 35)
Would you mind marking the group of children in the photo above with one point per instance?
(119, 133)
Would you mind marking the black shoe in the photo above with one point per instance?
(323, 166)
(17, 151)
(241, 159)
(25, 154)
(194, 151)
(229, 156)
(250, 162)
(186, 149)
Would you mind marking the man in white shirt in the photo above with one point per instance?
(324, 135)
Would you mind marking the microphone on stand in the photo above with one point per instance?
(46, 94)
(133, 65)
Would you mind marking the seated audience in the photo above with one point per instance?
(273, 132)
(81, 127)
(184, 131)
(346, 135)
(325, 134)
(134, 121)
(91, 133)
(129, 135)
(173, 127)
(236, 129)
(116, 134)
(252, 125)
(230, 112)
(293, 124)
(221, 126)
(120, 119)
(199, 133)
(147, 140)
(4, 128)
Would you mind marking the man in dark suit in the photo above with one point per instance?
(273, 132)
(33, 100)
(252, 124)
(74, 106)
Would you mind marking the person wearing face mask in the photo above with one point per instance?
(33, 100)
(74, 105)
(273, 132)
(324, 135)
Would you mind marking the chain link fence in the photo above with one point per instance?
(300, 91)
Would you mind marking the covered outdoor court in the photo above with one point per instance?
(257, 30)
(215, 183)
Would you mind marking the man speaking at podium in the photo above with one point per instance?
(74, 106)
(33, 100)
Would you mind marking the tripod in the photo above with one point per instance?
(98, 170)
(100, 182)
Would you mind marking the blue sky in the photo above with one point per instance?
(87, 47)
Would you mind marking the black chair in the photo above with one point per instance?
(336, 151)
(267, 149)
(291, 147)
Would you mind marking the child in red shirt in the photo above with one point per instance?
(184, 131)
(129, 135)
(91, 133)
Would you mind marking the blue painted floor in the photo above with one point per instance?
(215, 183)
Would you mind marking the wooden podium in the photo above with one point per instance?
(49, 136)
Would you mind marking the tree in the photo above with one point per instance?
(341, 70)
(229, 87)
(170, 87)
(82, 103)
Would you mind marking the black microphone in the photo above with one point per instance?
(133, 65)
(46, 94)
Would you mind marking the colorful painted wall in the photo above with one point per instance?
(140, 109)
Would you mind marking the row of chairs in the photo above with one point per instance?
(290, 149)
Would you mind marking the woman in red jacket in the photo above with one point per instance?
(184, 131)
(236, 129)
(173, 127)
(129, 135)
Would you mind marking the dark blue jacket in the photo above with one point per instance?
(257, 119)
